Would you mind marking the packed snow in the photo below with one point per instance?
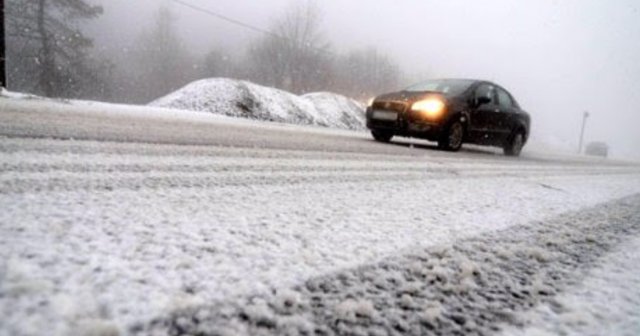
(244, 99)
(120, 219)
(471, 286)
(605, 302)
(120, 233)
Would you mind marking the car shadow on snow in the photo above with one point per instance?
(432, 146)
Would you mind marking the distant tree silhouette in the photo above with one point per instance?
(365, 73)
(297, 58)
(160, 58)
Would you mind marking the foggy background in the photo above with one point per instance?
(558, 58)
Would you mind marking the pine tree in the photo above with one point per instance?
(46, 50)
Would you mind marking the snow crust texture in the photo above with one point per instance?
(471, 287)
(244, 99)
(606, 303)
(171, 221)
(110, 236)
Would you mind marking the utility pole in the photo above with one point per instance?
(585, 115)
(3, 66)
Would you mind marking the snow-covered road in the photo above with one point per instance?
(135, 220)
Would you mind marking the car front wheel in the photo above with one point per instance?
(513, 147)
(452, 137)
(382, 136)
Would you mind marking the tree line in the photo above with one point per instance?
(49, 54)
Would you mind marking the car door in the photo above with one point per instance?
(484, 114)
(504, 121)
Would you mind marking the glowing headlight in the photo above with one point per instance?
(430, 107)
(370, 101)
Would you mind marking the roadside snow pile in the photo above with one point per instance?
(247, 100)
(338, 108)
(19, 95)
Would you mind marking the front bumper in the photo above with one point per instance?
(405, 125)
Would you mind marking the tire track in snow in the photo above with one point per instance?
(605, 302)
(107, 251)
(35, 169)
(143, 165)
(91, 149)
(472, 286)
(65, 181)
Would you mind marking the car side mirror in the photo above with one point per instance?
(482, 100)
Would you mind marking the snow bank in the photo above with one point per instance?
(338, 108)
(247, 100)
(16, 95)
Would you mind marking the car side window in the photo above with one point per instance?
(504, 99)
(486, 90)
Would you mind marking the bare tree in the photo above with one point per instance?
(296, 57)
(217, 63)
(366, 72)
(46, 51)
(160, 61)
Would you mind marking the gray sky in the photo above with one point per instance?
(558, 57)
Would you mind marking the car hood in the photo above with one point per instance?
(406, 96)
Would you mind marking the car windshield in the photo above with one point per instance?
(449, 87)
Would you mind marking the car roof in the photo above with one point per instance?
(472, 80)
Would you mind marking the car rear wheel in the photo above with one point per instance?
(513, 147)
(452, 137)
(382, 136)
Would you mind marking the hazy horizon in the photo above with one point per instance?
(559, 58)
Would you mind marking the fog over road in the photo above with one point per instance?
(143, 220)
(126, 123)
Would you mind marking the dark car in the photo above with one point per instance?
(451, 112)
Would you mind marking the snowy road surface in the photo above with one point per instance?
(141, 221)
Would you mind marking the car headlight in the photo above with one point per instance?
(370, 101)
(430, 107)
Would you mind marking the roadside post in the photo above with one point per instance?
(585, 115)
